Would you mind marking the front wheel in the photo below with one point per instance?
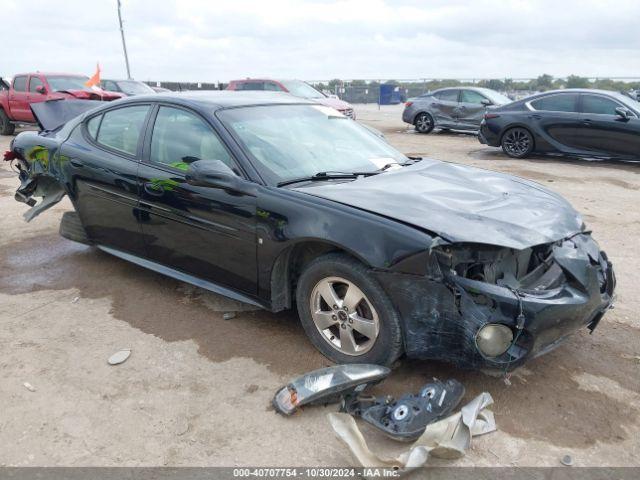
(6, 127)
(517, 142)
(346, 314)
(424, 123)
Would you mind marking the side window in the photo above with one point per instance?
(598, 104)
(556, 103)
(272, 86)
(93, 125)
(251, 86)
(470, 96)
(20, 84)
(120, 129)
(180, 138)
(110, 86)
(35, 82)
(447, 95)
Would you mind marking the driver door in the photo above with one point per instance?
(206, 232)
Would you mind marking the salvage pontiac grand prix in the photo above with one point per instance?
(280, 202)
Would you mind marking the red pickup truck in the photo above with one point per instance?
(28, 88)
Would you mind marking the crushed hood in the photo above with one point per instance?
(460, 203)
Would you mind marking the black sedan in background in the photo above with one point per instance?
(576, 122)
(284, 203)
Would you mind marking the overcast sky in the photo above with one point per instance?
(200, 40)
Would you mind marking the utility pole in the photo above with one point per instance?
(124, 44)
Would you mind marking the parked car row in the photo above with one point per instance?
(297, 88)
(576, 122)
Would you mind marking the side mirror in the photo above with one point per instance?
(40, 89)
(623, 113)
(213, 174)
(486, 102)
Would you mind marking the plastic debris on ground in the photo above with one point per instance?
(119, 357)
(448, 438)
(406, 418)
(327, 385)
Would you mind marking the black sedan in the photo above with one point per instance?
(575, 122)
(282, 203)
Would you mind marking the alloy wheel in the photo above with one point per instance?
(517, 142)
(344, 316)
(424, 123)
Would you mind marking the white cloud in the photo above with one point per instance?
(200, 40)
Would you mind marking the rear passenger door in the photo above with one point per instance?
(556, 117)
(103, 156)
(444, 108)
(205, 232)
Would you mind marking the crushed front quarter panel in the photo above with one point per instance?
(443, 311)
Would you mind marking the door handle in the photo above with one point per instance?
(76, 163)
(153, 189)
(587, 122)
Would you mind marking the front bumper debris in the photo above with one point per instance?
(442, 314)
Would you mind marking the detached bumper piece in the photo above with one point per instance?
(327, 385)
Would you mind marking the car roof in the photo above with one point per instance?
(51, 74)
(224, 98)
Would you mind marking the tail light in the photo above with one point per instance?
(9, 155)
(488, 116)
(408, 104)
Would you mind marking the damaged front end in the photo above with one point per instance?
(481, 306)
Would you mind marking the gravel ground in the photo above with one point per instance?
(196, 389)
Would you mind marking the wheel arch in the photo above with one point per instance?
(291, 262)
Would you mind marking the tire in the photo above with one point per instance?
(517, 142)
(71, 228)
(368, 331)
(6, 127)
(424, 123)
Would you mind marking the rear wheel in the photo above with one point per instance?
(424, 123)
(71, 228)
(6, 127)
(517, 142)
(346, 314)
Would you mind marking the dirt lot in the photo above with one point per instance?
(196, 389)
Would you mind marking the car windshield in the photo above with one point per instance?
(135, 88)
(301, 89)
(67, 82)
(298, 141)
(496, 98)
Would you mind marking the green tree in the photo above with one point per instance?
(574, 81)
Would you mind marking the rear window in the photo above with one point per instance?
(556, 103)
(120, 129)
(447, 95)
(20, 84)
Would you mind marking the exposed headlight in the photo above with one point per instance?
(494, 339)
